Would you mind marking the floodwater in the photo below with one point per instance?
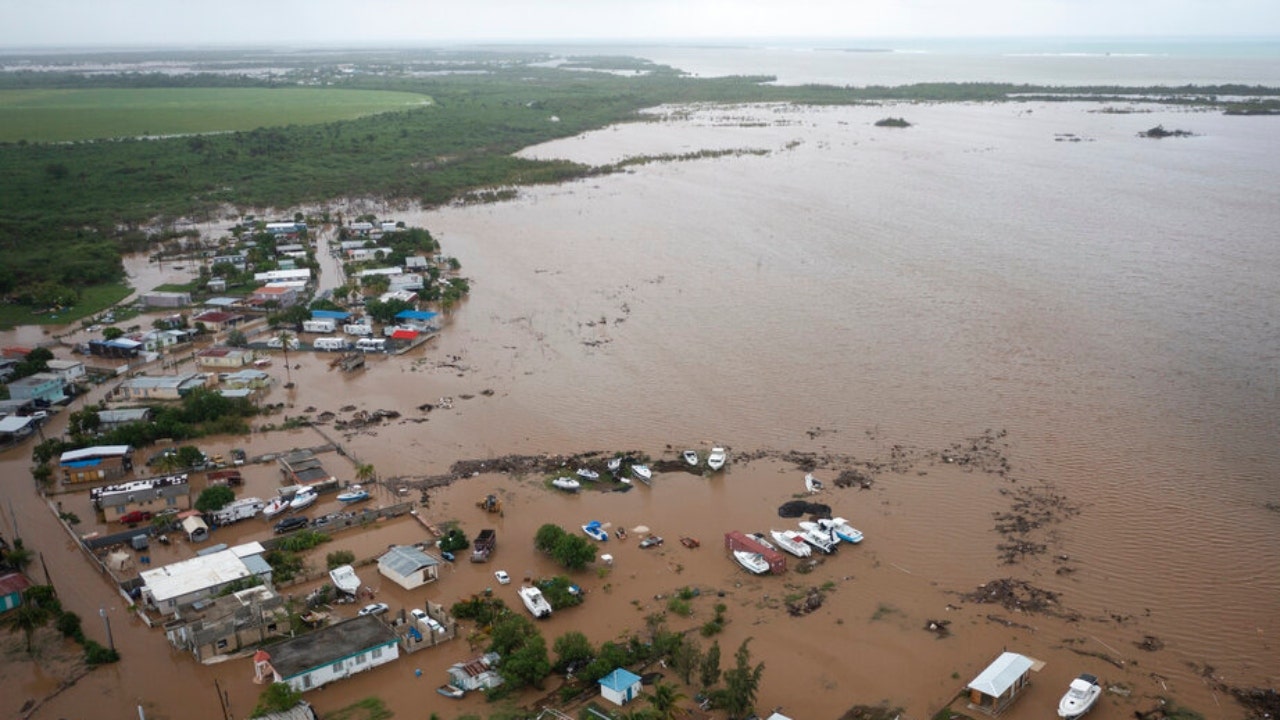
(1102, 304)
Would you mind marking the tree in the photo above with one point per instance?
(27, 617)
(686, 656)
(709, 670)
(510, 631)
(572, 648)
(665, 700)
(574, 552)
(237, 338)
(741, 683)
(365, 472)
(18, 555)
(612, 655)
(277, 697)
(214, 498)
(547, 537)
(190, 456)
(112, 333)
(526, 665)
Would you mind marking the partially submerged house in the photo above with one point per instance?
(150, 495)
(212, 629)
(161, 387)
(221, 356)
(92, 464)
(408, 567)
(12, 585)
(477, 674)
(45, 386)
(202, 577)
(330, 653)
(302, 467)
(620, 686)
(1001, 683)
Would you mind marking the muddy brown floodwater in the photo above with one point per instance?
(1051, 353)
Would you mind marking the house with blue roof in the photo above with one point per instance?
(620, 686)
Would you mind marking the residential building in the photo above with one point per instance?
(109, 420)
(283, 296)
(331, 653)
(1000, 683)
(185, 582)
(408, 567)
(158, 298)
(217, 320)
(476, 674)
(71, 371)
(159, 340)
(93, 464)
(15, 427)
(118, 348)
(41, 386)
(220, 356)
(302, 467)
(161, 387)
(12, 585)
(415, 263)
(247, 378)
(620, 686)
(213, 629)
(150, 495)
(302, 275)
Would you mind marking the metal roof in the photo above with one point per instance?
(1001, 674)
(404, 560)
(97, 451)
(619, 680)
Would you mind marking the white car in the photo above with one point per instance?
(502, 576)
(424, 619)
(374, 609)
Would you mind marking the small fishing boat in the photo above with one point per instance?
(812, 484)
(717, 458)
(450, 691)
(535, 602)
(304, 498)
(821, 539)
(842, 529)
(691, 457)
(566, 483)
(345, 579)
(614, 465)
(753, 562)
(643, 472)
(792, 542)
(275, 507)
(1080, 698)
(588, 474)
(596, 531)
(353, 494)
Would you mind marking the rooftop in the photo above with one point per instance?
(201, 572)
(1000, 675)
(96, 451)
(406, 559)
(328, 645)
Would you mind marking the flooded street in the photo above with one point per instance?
(975, 314)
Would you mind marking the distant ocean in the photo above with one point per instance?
(1037, 61)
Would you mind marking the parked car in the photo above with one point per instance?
(424, 619)
(137, 516)
(502, 576)
(291, 523)
(651, 541)
(237, 457)
(374, 609)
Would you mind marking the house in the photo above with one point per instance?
(161, 387)
(406, 281)
(214, 629)
(217, 320)
(302, 467)
(204, 576)
(365, 254)
(41, 386)
(157, 340)
(118, 348)
(12, 585)
(157, 298)
(408, 296)
(71, 371)
(476, 674)
(15, 427)
(301, 711)
(415, 263)
(221, 356)
(620, 686)
(331, 653)
(216, 285)
(236, 261)
(298, 275)
(361, 228)
(283, 296)
(151, 495)
(247, 378)
(91, 464)
(388, 271)
(109, 420)
(337, 316)
(421, 320)
(1001, 683)
(408, 567)
(286, 228)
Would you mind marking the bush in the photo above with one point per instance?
(69, 625)
(96, 654)
(680, 607)
(338, 558)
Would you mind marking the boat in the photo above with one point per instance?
(450, 691)
(691, 457)
(566, 483)
(842, 529)
(752, 561)
(1080, 698)
(689, 542)
(821, 539)
(717, 458)
(792, 542)
(304, 498)
(588, 474)
(812, 484)
(345, 579)
(643, 472)
(275, 507)
(614, 465)
(262, 362)
(596, 531)
(762, 540)
(533, 600)
(353, 494)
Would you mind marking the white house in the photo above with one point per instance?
(620, 686)
(477, 674)
(203, 576)
(331, 653)
(69, 370)
(1001, 682)
(408, 567)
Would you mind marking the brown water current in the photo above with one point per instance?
(1034, 280)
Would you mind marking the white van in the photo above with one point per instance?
(371, 345)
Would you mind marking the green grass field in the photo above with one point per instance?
(93, 300)
(60, 115)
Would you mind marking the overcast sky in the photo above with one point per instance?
(25, 23)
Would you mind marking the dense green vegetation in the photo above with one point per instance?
(71, 208)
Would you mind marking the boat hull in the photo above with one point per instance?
(1080, 698)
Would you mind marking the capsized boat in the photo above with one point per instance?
(355, 493)
(596, 531)
(691, 457)
(1080, 698)
(752, 561)
(824, 540)
(717, 458)
(842, 529)
(304, 498)
(275, 507)
(643, 472)
(792, 542)
(812, 484)
(535, 602)
(588, 474)
(567, 483)
(345, 579)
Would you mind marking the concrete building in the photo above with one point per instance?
(408, 567)
(214, 629)
(284, 296)
(302, 467)
(161, 387)
(111, 419)
(158, 298)
(15, 427)
(220, 356)
(620, 686)
(41, 386)
(217, 320)
(247, 378)
(477, 674)
(93, 464)
(204, 576)
(71, 371)
(332, 653)
(151, 495)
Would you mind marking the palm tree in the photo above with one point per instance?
(285, 338)
(27, 617)
(365, 472)
(665, 699)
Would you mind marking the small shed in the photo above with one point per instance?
(1000, 683)
(620, 686)
(408, 567)
(11, 588)
(196, 529)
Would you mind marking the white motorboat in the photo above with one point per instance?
(717, 458)
(596, 531)
(792, 542)
(344, 578)
(614, 465)
(824, 540)
(535, 602)
(842, 529)
(643, 472)
(752, 561)
(1080, 698)
(566, 483)
(353, 494)
(764, 542)
(275, 507)
(691, 457)
(812, 484)
(588, 474)
(304, 498)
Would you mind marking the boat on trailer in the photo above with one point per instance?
(353, 494)
(1081, 696)
(275, 507)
